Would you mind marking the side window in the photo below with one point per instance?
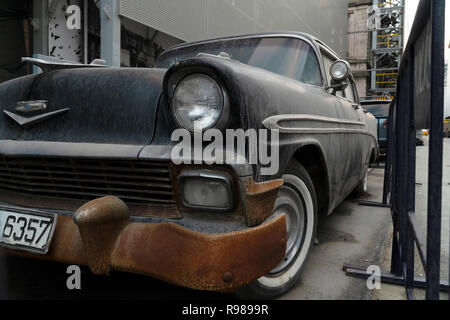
(327, 62)
(305, 65)
(311, 70)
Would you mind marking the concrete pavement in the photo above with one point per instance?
(353, 234)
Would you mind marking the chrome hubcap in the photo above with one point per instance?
(290, 203)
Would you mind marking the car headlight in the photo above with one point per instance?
(340, 70)
(198, 102)
(208, 190)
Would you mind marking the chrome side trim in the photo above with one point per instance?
(296, 35)
(68, 149)
(273, 123)
(24, 122)
(48, 64)
(307, 117)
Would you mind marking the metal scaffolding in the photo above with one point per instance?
(385, 22)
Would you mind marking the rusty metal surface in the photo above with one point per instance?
(259, 199)
(100, 222)
(201, 261)
(105, 240)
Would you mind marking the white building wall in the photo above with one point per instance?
(202, 19)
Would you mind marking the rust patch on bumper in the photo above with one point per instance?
(100, 222)
(201, 261)
(105, 239)
(259, 199)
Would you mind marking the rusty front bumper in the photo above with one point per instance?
(101, 235)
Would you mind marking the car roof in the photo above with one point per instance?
(293, 34)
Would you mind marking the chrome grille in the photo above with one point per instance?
(144, 182)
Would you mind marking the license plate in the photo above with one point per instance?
(26, 231)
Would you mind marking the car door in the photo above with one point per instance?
(362, 151)
(350, 116)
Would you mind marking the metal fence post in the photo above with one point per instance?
(411, 180)
(435, 150)
(389, 154)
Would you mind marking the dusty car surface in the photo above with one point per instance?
(87, 175)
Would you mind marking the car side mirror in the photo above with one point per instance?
(339, 71)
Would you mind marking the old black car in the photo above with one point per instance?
(88, 175)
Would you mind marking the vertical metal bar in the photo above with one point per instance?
(395, 259)
(396, 265)
(403, 175)
(390, 149)
(411, 187)
(373, 78)
(401, 29)
(85, 33)
(378, 139)
(395, 255)
(435, 150)
(403, 163)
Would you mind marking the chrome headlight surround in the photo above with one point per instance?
(214, 184)
(175, 86)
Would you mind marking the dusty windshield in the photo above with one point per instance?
(289, 57)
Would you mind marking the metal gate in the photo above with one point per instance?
(418, 104)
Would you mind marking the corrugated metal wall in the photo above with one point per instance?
(192, 20)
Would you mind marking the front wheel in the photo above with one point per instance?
(296, 199)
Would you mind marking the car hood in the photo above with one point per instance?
(105, 105)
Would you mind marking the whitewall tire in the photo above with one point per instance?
(297, 200)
